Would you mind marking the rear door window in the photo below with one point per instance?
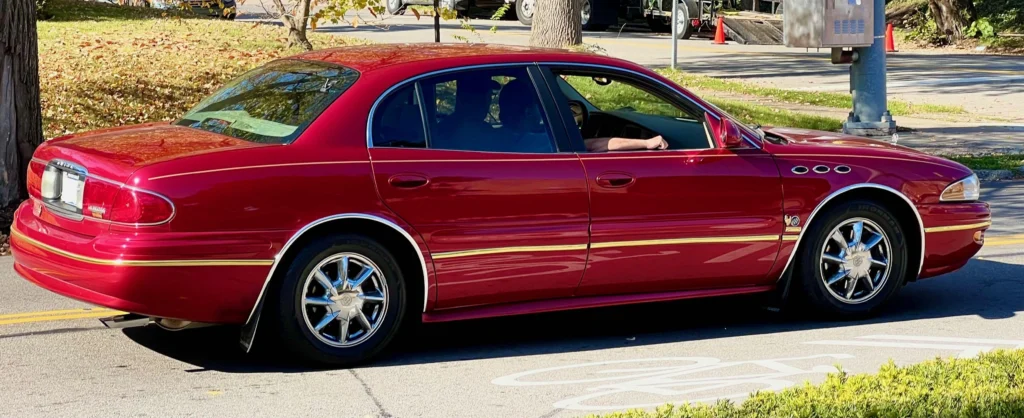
(397, 121)
(496, 110)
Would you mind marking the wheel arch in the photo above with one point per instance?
(393, 237)
(900, 205)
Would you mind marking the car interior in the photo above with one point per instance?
(622, 109)
(463, 112)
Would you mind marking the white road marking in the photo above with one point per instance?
(664, 379)
(965, 350)
(967, 347)
(1015, 343)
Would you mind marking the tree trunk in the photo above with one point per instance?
(296, 24)
(952, 17)
(556, 23)
(21, 124)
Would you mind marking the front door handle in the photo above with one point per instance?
(615, 180)
(408, 181)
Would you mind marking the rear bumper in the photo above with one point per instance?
(195, 289)
(950, 235)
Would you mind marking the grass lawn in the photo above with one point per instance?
(616, 96)
(991, 162)
(701, 83)
(103, 65)
(991, 385)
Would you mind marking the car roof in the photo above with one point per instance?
(371, 57)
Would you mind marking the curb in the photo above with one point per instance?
(999, 175)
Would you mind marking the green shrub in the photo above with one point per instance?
(989, 386)
(982, 29)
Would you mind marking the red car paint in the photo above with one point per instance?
(238, 205)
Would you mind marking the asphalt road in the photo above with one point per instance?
(56, 359)
(988, 85)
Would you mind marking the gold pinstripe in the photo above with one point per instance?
(15, 233)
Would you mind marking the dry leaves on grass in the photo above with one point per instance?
(101, 74)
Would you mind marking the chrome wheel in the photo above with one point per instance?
(585, 12)
(855, 261)
(526, 8)
(344, 300)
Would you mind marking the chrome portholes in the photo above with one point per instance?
(820, 169)
(854, 262)
(344, 300)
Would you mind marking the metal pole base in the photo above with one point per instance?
(884, 128)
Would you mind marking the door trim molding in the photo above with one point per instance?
(609, 244)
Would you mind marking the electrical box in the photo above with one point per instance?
(828, 23)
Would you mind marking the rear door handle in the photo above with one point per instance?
(408, 181)
(615, 180)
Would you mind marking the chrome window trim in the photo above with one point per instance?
(78, 217)
(414, 79)
(280, 254)
(839, 192)
(373, 108)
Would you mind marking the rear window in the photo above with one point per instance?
(273, 103)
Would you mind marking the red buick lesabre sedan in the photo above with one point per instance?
(326, 199)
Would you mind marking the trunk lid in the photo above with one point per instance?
(109, 157)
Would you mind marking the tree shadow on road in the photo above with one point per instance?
(984, 288)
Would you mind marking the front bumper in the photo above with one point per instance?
(954, 232)
(200, 289)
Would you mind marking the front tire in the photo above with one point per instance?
(854, 260)
(394, 7)
(340, 302)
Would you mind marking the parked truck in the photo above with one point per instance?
(598, 15)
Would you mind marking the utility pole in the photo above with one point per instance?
(870, 115)
(855, 32)
(675, 33)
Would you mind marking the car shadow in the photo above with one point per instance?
(984, 288)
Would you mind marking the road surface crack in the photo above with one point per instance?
(380, 407)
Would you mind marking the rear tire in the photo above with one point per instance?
(303, 302)
(842, 275)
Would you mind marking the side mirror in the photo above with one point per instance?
(730, 134)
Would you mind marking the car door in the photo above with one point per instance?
(469, 159)
(693, 216)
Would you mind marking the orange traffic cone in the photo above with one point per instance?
(890, 44)
(720, 32)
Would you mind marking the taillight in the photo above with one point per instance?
(35, 179)
(132, 206)
(98, 197)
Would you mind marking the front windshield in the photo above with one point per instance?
(273, 103)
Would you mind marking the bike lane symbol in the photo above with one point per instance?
(670, 379)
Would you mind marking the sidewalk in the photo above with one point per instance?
(934, 134)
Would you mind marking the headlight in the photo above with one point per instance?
(967, 189)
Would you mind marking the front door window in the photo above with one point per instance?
(617, 114)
